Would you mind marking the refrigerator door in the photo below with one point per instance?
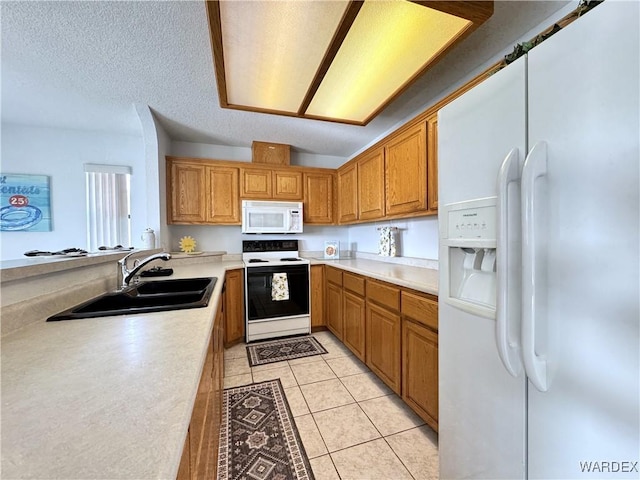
(481, 406)
(584, 103)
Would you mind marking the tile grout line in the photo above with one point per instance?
(398, 457)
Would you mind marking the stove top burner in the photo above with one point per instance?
(258, 260)
(291, 259)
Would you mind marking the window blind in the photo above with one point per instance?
(108, 205)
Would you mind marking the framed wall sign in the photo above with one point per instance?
(25, 203)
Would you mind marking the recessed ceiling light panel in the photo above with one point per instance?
(272, 49)
(337, 60)
(389, 43)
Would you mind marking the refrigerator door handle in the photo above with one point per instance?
(535, 166)
(507, 267)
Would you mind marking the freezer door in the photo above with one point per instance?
(584, 103)
(481, 406)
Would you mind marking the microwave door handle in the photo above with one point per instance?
(287, 221)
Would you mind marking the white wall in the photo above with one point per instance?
(156, 147)
(60, 154)
(415, 237)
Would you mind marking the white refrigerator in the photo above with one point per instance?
(539, 320)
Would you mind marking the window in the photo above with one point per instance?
(108, 205)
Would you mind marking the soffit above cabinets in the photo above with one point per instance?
(341, 60)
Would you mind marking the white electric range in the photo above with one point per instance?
(276, 289)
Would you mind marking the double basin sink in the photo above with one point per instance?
(145, 297)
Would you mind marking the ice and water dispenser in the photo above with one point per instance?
(468, 245)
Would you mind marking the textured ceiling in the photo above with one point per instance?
(84, 64)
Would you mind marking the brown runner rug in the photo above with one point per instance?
(285, 349)
(258, 437)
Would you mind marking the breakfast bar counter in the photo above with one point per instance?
(108, 397)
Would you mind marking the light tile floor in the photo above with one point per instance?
(351, 424)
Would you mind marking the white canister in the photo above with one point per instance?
(148, 239)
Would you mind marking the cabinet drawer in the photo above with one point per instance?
(422, 309)
(354, 283)
(334, 275)
(383, 294)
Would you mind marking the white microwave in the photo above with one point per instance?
(260, 216)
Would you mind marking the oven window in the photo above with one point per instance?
(260, 302)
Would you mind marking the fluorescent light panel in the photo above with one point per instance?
(387, 45)
(272, 51)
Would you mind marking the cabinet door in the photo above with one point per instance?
(222, 195)
(318, 198)
(273, 153)
(432, 162)
(354, 315)
(420, 371)
(287, 185)
(317, 295)
(406, 171)
(348, 194)
(234, 306)
(200, 428)
(383, 333)
(184, 469)
(256, 184)
(334, 309)
(371, 186)
(187, 186)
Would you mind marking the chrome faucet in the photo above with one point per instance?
(127, 275)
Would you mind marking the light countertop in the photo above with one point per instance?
(108, 397)
(417, 278)
(112, 397)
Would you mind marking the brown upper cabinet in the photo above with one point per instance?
(222, 194)
(406, 171)
(318, 198)
(390, 180)
(264, 184)
(201, 193)
(187, 187)
(271, 153)
(348, 193)
(432, 162)
(370, 181)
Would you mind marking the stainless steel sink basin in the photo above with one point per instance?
(145, 297)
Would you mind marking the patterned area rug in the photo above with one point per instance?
(286, 349)
(258, 437)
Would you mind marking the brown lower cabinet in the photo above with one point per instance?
(317, 296)
(333, 299)
(354, 314)
(383, 345)
(420, 370)
(200, 454)
(396, 328)
(234, 306)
